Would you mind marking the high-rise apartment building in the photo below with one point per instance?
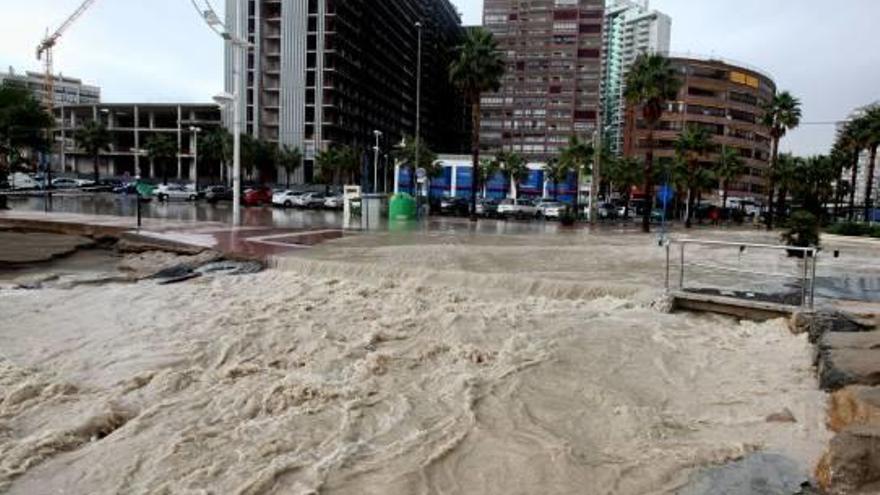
(322, 73)
(631, 29)
(68, 90)
(550, 92)
(723, 97)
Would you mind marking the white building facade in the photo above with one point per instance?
(631, 29)
(67, 90)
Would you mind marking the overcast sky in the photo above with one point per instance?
(824, 51)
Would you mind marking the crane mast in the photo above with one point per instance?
(44, 52)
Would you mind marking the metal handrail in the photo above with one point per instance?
(808, 278)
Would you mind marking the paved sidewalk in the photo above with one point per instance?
(259, 242)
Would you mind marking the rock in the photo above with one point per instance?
(854, 405)
(852, 463)
(849, 359)
(756, 474)
(818, 323)
(786, 416)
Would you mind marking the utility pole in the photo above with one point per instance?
(377, 134)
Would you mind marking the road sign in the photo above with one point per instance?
(421, 175)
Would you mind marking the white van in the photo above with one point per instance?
(20, 180)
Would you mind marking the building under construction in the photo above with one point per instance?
(323, 73)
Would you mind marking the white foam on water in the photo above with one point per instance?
(438, 366)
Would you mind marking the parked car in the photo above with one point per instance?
(214, 194)
(103, 185)
(20, 180)
(487, 208)
(335, 202)
(285, 198)
(551, 209)
(311, 200)
(257, 196)
(126, 188)
(517, 208)
(174, 192)
(454, 206)
(65, 183)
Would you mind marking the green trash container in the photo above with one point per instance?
(402, 208)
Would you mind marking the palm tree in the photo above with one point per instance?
(625, 173)
(216, 146)
(781, 114)
(577, 157)
(872, 141)
(650, 84)
(556, 171)
(478, 68)
(162, 148)
(729, 167)
(488, 168)
(786, 174)
(514, 167)
(427, 159)
(290, 160)
(93, 138)
(338, 164)
(693, 143)
(265, 159)
(849, 141)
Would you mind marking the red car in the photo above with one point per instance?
(257, 196)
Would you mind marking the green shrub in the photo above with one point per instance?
(851, 229)
(803, 230)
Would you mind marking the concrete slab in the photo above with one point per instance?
(18, 248)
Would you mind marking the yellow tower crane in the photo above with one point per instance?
(44, 52)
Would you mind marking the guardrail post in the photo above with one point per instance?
(806, 279)
(681, 272)
(813, 282)
(668, 246)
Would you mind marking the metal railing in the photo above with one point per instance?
(806, 274)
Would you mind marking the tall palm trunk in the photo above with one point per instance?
(649, 181)
(577, 190)
(97, 168)
(724, 195)
(475, 150)
(771, 185)
(164, 172)
(838, 192)
(689, 222)
(852, 186)
(869, 184)
(783, 200)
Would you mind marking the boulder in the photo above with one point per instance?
(818, 323)
(852, 463)
(848, 359)
(854, 405)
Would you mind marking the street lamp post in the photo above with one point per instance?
(418, 137)
(195, 174)
(377, 134)
(238, 47)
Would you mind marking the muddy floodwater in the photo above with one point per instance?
(428, 363)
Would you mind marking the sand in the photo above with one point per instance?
(418, 364)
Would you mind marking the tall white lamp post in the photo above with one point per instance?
(239, 46)
(377, 134)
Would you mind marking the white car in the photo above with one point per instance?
(334, 202)
(551, 209)
(285, 198)
(172, 192)
(518, 208)
(65, 183)
(310, 200)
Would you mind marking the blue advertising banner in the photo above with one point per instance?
(463, 182)
(534, 184)
(498, 186)
(442, 184)
(405, 179)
